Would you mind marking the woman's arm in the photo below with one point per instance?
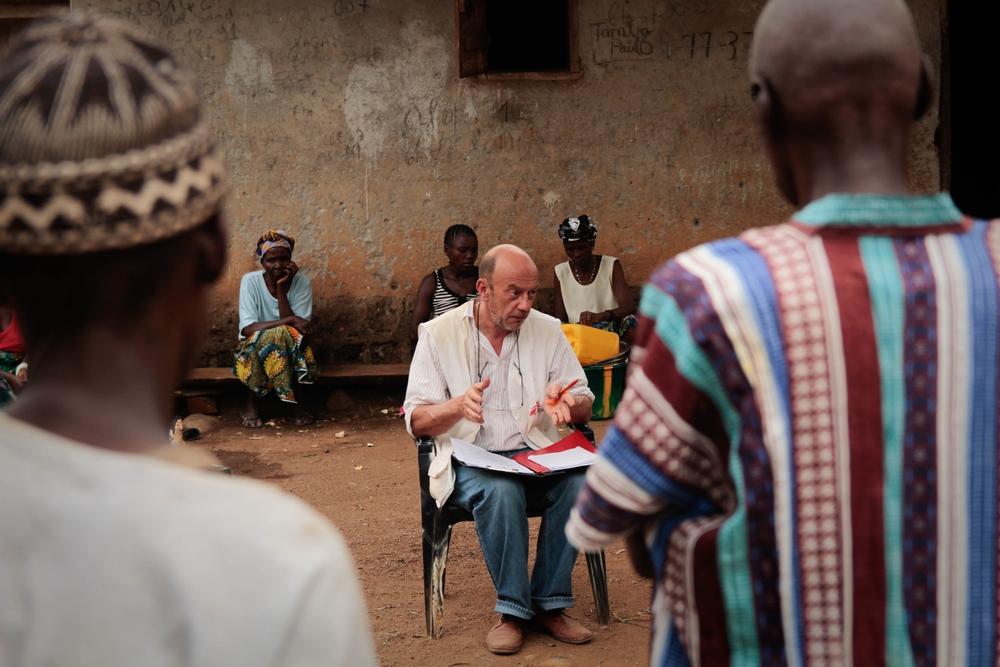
(300, 298)
(300, 324)
(560, 306)
(249, 312)
(623, 295)
(423, 308)
(284, 286)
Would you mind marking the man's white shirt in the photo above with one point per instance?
(111, 559)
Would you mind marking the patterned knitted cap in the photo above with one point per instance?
(102, 143)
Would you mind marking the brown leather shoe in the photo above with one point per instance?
(562, 627)
(506, 637)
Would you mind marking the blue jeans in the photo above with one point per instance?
(499, 503)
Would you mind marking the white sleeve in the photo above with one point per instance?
(249, 311)
(301, 297)
(330, 627)
(426, 384)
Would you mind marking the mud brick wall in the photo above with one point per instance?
(345, 122)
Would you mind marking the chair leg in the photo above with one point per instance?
(599, 585)
(435, 562)
(427, 544)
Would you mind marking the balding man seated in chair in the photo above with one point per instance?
(483, 372)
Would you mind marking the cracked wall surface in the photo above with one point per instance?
(345, 123)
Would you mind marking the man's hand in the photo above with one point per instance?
(587, 317)
(472, 402)
(285, 281)
(12, 380)
(638, 554)
(559, 407)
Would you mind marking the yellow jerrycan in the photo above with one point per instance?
(591, 345)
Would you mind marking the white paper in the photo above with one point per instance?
(477, 457)
(571, 458)
(538, 438)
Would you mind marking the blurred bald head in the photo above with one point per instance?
(840, 76)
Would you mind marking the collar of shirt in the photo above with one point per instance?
(870, 210)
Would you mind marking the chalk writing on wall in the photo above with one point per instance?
(202, 29)
(621, 35)
(171, 13)
(343, 7)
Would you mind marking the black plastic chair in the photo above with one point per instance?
(437, 525)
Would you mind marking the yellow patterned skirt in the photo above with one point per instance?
(271, 359)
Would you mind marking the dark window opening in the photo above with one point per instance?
(517, 37)
(528, 36)
(970, 131)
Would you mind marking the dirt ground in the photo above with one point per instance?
(366, 483)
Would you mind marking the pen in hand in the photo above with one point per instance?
(550, 401)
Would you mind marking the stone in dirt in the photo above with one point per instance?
(556, 662)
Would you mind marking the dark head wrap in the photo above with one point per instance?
(274, 238)
(577, 229)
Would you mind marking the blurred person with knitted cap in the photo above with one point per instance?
(591, 289)
(110, 240)
(275, 312)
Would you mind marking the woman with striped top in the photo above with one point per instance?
(452, 285)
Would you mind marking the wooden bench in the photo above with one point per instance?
(337, 373)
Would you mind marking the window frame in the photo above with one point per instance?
(31, 9)
(472, 62)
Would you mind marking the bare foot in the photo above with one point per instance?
(251, 421)
(302, 418)
(251, 418)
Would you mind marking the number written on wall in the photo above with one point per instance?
(728, 45)
(621, 36)
(345, 7)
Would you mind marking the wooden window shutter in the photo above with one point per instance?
(26, 9)
(473, 37)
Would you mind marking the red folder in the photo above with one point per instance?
(571, 441)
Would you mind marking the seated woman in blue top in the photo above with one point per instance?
(275, 309)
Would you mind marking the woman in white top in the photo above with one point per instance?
(275, 309)
(591, 289)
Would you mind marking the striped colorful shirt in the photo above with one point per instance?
(809, 441)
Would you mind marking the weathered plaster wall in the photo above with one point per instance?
(345, 122)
